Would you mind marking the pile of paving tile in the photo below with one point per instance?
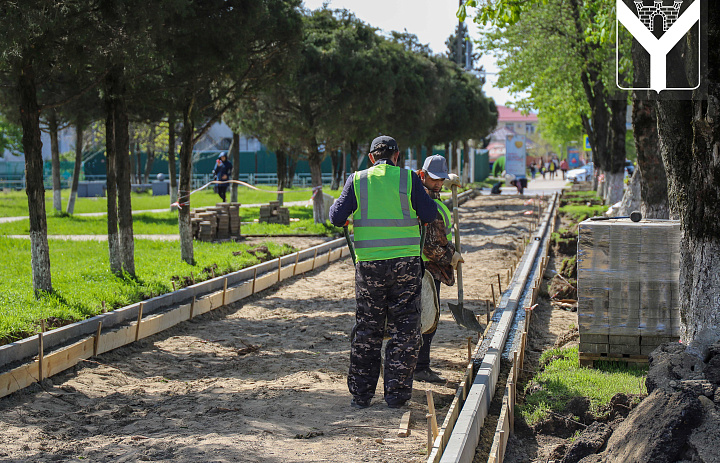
(274, 213)
(216, 223)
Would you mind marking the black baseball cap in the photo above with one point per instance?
(382, 142)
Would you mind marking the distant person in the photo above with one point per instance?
(221, 173)
(533, 169)
(552, 168)
(564, 167)
(543, 167)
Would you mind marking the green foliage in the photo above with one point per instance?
(82, 280)
(10, 137)
(561, 378)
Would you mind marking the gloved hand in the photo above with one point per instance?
(453, 180)
(456, 258)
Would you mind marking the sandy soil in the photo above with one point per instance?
(263, 380)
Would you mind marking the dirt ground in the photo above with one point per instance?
(263, 380)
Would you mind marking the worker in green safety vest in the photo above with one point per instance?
(439, 253)
(387, 204)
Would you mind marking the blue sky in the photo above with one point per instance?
(431, 20)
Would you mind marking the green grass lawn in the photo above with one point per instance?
(580, 212)
(562, 378)
(14, 203)
(82, 280)
(166, 223)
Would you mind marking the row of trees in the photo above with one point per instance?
(677, 135)
(347, 84)
(147, 73)
(182, 61)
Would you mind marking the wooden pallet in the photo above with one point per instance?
(588, 359)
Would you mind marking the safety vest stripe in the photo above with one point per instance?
(446, 219)
(363, 193)
(385, 222)
(387, 242)
(403, 195)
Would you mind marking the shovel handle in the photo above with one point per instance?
(346, 232)
(456, 225)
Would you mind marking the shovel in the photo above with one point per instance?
(463, 317)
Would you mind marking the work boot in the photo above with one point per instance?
(360, 404)
(428, 376)
(396, 404)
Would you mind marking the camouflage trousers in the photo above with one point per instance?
(386, 289)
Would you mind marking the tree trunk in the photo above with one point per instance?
(122, 165)
(315, 160)
(419, 156)
(447, 154)
(34, 188)
(55, 160)
(653, 180)
(235, 156)
(354, 161)
(631, 199)
(292, 164)
(114, 250)
(336, 173)
(466, 161)
(79, 129)
(172, 168)
(281, 157)
(150, 155)
(689, 134)
(186, 137)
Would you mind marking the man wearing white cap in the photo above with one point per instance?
(439, 254)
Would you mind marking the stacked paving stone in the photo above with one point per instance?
(274, 213)
(219, 222)
(628, 285)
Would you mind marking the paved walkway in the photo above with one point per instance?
(536, 187)
(99, 214)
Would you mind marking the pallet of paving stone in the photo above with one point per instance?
(628, 285)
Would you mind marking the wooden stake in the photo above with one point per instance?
(96, 342)
(192, 308)
(500, 453)
(254, 280)
(515, 364)
(429, 433)
(511, 406)
(137, 328)
(404, 430)
(212, 271)
(431, 412)
(279, 269)
(487, 312)
(103, 304)
(41, 355)
(172, 281)
(224, 290)
(492, 288)
(192, 278)
(297, 257)
(499, 287)
(470, 349)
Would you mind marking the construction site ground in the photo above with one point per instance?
(263, 380)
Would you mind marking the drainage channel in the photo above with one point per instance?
(496, 359)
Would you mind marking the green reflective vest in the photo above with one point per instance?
(385, 223)
(445, 213)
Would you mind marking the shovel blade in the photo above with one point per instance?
(465, 318)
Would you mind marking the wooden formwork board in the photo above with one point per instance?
(114, 337)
